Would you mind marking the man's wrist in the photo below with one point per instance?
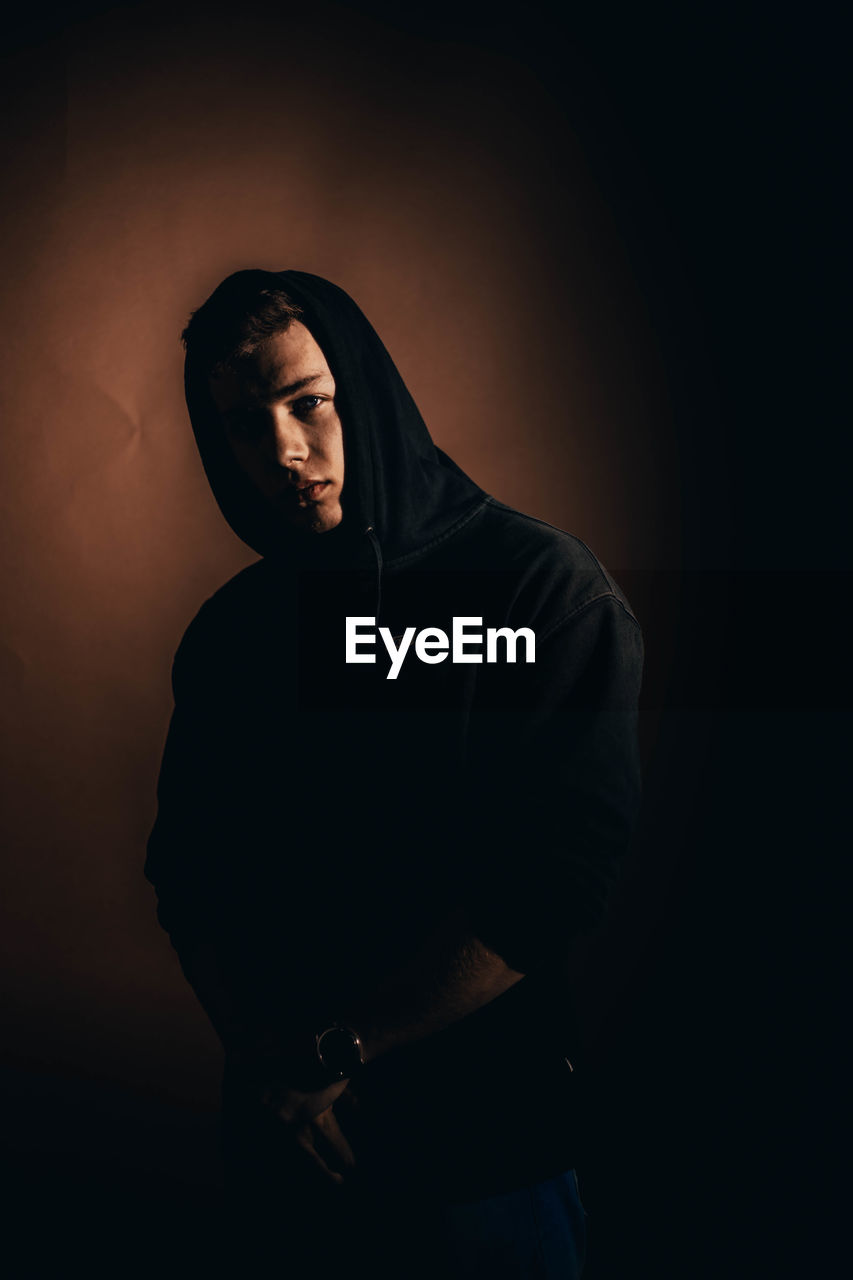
(340, 1052)
(313, 1060)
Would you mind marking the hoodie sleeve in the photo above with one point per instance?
(182, 861)
(555, 784)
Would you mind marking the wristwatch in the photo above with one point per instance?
(339, 1052)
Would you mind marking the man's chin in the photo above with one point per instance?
(314, 520)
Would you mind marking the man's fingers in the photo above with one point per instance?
(295, 1106)
(333, 1139)
(348, 1101)
(305, 1141)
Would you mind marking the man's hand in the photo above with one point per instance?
(310, 1123)
(304, 1114)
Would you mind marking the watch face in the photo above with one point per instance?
(339, 1051)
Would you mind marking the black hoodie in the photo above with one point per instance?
(316, 817)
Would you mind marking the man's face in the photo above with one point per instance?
(278, 410)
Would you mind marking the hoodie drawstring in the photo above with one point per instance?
(377, 551)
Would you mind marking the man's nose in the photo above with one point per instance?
(288, 444)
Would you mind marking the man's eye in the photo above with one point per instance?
(306, 404)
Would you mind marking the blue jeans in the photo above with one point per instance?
(387, 1225)
(537, 1233)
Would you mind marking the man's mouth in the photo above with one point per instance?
(311, 491)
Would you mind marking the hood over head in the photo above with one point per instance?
(399, 488)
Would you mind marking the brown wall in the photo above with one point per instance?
(148, 153)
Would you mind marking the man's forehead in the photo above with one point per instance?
(283, 364)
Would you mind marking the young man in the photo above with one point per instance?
(401, 769)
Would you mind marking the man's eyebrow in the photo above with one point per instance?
(290, 387)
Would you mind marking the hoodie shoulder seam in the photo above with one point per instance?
(581, 608)
(441, 537)
(545, 524)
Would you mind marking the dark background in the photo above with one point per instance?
(607, 251)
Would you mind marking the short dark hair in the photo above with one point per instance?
(240, 313)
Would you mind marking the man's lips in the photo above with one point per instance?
(309, 490)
